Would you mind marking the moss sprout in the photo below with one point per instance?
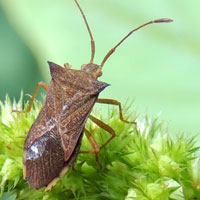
(141, 163)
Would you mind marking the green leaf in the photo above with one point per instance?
(9, 196)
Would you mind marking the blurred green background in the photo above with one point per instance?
(158, 66)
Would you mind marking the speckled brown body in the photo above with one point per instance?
(54, 139)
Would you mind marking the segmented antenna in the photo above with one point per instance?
(164, 20)
(89, 31)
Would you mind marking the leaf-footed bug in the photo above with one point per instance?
(54, 139)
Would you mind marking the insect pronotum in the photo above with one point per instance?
(54, 139)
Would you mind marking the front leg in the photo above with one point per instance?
(116, 103)
(39, 84)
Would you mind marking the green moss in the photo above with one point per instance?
(140, 163)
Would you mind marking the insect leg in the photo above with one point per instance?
(117, 103)
(105, 127)
(39, 84)
(95, 146)
(52, 184)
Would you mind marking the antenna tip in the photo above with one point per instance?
(163, 20)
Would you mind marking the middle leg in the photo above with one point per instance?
(105, 127)
(95, 146)
(93, 142)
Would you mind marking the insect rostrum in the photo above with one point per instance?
(54, 139)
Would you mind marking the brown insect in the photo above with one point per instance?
(54, 139)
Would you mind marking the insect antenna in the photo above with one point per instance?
(163, 20)
(89, 31)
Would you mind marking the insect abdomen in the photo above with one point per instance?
(43, 160)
